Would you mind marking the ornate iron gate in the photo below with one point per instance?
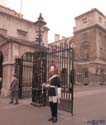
(33, 70)
(63, 58)
(39, 77)
(24, 71)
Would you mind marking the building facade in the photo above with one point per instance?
(89, 44)
(90, 52)
(17, 36)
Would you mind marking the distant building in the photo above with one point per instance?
(89, 43)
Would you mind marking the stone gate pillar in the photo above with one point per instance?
(9, 53)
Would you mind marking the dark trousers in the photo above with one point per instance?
(53, 107)
(14, 96)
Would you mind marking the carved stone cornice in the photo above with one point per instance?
(90, 27)
(3, 39)
(7, 39)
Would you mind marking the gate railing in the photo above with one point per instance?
(38, 63)
(63, 58)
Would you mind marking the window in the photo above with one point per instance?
(86, 73)
(84, 51)
(84, 36)
(105, 23)
(3, 31)
(21, 34)
(100, 34)
(101, 51)
(64, 76)
(100, 19)
(84, 20)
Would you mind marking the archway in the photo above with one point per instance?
(1, 70)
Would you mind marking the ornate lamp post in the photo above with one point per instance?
(39, 66)
(39, 25)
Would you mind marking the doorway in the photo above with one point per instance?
(1, 70)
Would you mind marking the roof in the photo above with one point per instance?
(59, 41)
(10, 11)
(4, 11)
(92, 10)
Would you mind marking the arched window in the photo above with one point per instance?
(84, 50)
(1, 70)
(1, 57)
(64, 74)
(86, 73)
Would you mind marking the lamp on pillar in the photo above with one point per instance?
(39, 25)
(39, 66)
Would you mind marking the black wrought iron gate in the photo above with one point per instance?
(39, 77)
(33, 70)
(24, 71)
(63, 58)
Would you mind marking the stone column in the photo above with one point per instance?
(8, 68)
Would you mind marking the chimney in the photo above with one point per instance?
(57, 37)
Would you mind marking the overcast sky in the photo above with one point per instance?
(59, 14)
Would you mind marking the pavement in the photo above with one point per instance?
(89, 109)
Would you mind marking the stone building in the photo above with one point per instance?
(89, 43)
(90, 51)
(17, 36)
